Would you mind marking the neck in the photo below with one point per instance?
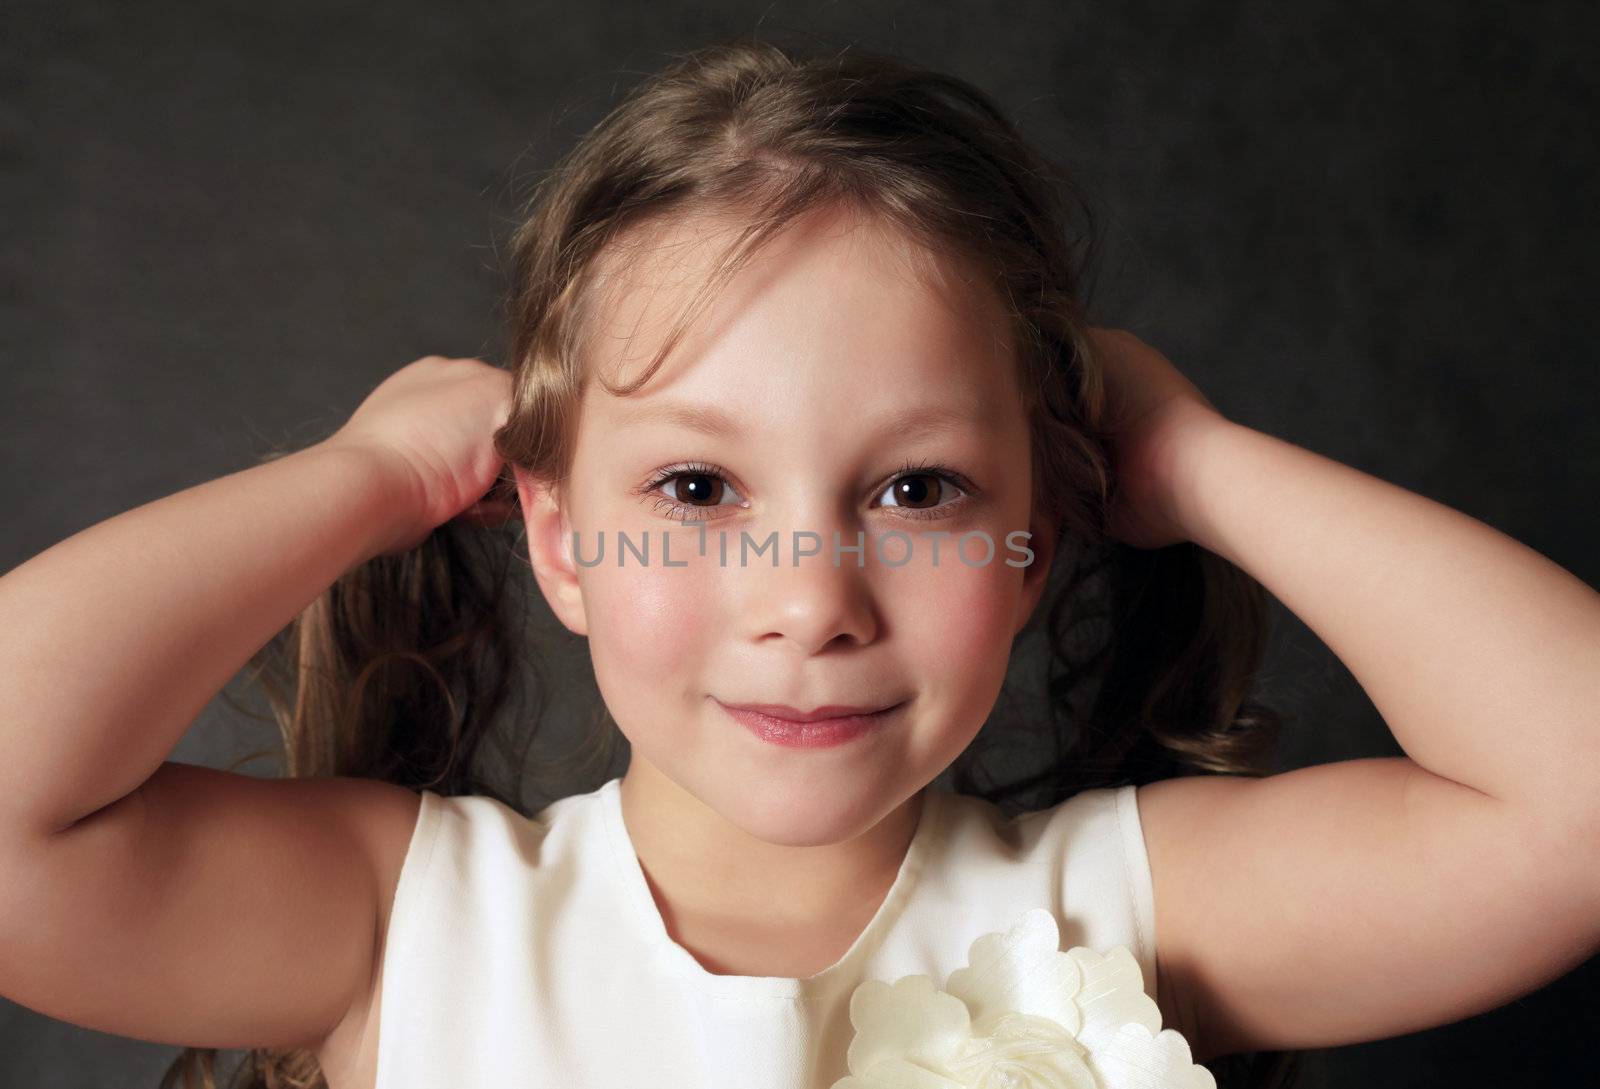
(700, 865)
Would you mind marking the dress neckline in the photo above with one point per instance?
(637, 891)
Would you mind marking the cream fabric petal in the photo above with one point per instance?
(1112, 993)
(899, 1074)
(1021, 1015)
(1133, 1058)
(1020, 970)
(1025, 1052)
(910, 1020)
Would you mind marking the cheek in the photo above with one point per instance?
(649, 628)
(959, 621)
(654, 633)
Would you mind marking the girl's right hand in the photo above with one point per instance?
(433, 422)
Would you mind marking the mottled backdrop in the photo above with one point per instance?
(1367, 228)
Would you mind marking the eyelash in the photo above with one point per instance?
(684, 513)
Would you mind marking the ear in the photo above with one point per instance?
(550, 550)
(1042, 540)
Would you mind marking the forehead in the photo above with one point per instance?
(837, 304)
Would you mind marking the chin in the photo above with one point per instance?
(807, 818)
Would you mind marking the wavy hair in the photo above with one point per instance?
(414, 669)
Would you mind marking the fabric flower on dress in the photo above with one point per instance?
(1021, 1015)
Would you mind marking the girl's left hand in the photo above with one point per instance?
(1153, 412)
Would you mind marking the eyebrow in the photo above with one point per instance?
(719, 423)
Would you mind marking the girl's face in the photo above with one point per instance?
(793, 406)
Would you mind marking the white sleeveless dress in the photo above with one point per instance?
(529, 952)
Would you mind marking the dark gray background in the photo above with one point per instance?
(1366, 228)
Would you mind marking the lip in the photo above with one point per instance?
(824, 727)
(821, 714)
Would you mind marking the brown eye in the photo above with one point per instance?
(697, 489)
(918, 491)
(683, 493)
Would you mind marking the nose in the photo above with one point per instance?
(812, 603)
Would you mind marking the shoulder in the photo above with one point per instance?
(1098, 829)
(384, 818)
(435, 853)
(1081, 812)
(1169, 811)
(1093, 831)
(1084, 856)
(387, 821)
(405, 835)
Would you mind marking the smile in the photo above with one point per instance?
(822, 728)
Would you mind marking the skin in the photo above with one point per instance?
(719, 818)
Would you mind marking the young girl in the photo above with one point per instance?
(897, 360)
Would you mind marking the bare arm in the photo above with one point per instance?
(114, 640)
(158, 900)
(1365, 898)
(1482, 656)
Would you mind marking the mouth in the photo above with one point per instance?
(822, 727)
(827, 713)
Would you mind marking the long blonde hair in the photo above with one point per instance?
(406, 666)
